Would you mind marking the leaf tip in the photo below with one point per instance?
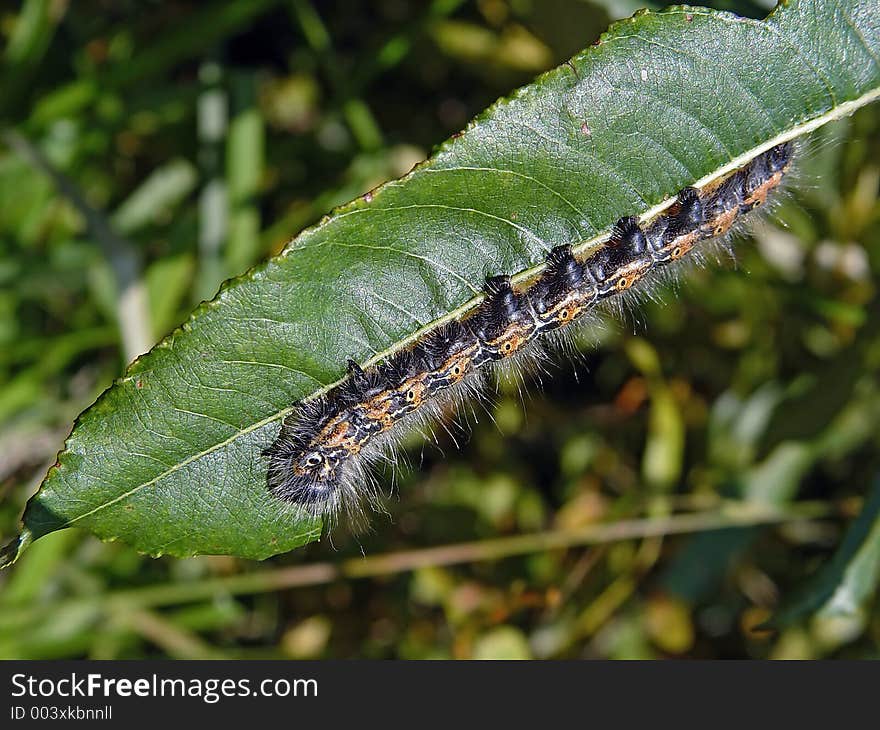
(11, 551)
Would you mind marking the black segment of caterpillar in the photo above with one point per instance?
(319, 458)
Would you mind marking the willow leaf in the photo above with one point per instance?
(168, 459)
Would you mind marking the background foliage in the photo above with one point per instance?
(208, 134)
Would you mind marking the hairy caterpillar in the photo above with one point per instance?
(319, 457)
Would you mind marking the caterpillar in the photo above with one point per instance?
(319, 458)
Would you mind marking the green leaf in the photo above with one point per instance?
(169, 458)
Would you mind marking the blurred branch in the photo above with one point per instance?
(175, 641)
(131, 298)
(733, 515)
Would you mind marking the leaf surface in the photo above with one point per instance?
(168, 459)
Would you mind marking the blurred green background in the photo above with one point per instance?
(152, 149)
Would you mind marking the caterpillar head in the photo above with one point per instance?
(306, 478)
